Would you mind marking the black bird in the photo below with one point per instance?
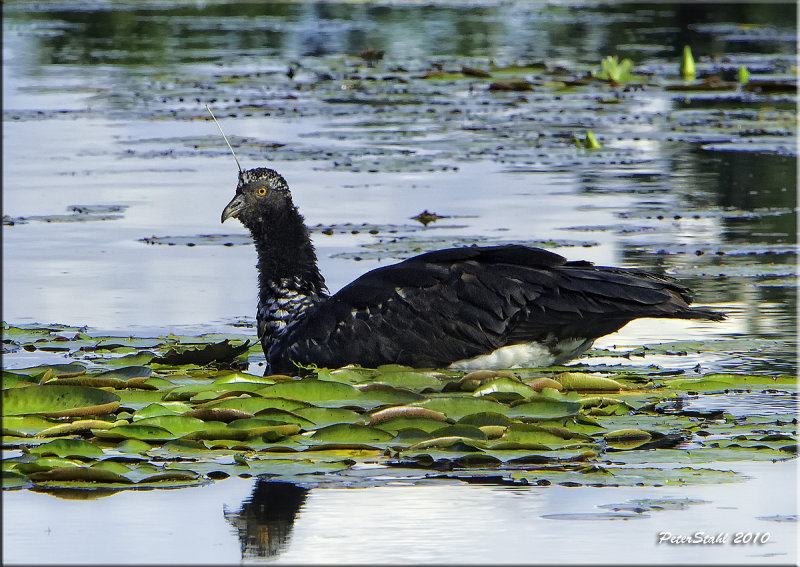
(467, 308)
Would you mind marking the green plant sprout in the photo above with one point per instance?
(687, 68)
(614, 70)
(588, 143)
(744, 74)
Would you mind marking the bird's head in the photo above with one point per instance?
(261, 193)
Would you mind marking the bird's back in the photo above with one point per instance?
(452, 305)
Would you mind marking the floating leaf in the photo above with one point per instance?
(456, 407)
(330, 416)
(583, 381)
(459, 430)
(59, 401)
(135, 431)
(56, 370)
(87, 474)
(15, 481)
(238, 378)
(401, 422)
(178, 425)
(25, 426)
(12, 380)
(540, 384)
(485, 418)
(627, 438)
(456, 444)
(350, 434)
(133, 446)
(523, 435)
(504, 390)
(155, 410)
(255, 405)
(312, 391)
(68, 448)
(225, 415)
(218, 352)
(416, 381)
(45, 464)
(544, 409)
(126, 373)
(405, 411)
(80, 426)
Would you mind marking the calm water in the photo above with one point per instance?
(103, 106)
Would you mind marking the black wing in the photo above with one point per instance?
(440, 307)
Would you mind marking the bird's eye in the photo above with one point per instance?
(262, 190)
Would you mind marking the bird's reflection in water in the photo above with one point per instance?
(266, 518)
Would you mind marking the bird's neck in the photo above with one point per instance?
(286, 258)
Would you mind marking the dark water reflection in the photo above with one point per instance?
(265, 520)
(157, 34)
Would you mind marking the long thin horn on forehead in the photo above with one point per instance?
(225, 138)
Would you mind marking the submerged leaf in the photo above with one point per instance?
(218, 352)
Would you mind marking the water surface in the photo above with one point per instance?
(103, 106)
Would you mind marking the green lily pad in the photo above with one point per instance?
(505, 390)
(395, 412)
(329, 416)
(74, 427)
(310, 390)
(718, 382)
(456, 407)
(86, 474)
(416, 381)
(155, 410)
(627, 438)
(136, 431)
(12, 380)
(459, 430)
(255, 405)
(585, 381)
(56, 370)
(59, 401)
(525, 435)
(178, 425)
(68, 448)
(485, 419)
(349, 434)
(25, 426)
(133, 446)
(544, 409)
(15, 481)
(397, 424)
(45, 464)
(452, 444)
(260, 425)
(238, 378)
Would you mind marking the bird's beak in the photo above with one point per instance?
(234, 208)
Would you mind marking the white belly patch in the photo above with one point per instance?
(527, 355)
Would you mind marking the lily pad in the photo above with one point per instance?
(456, 407)
(544, 409)
(59, 401)
(68, 448)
